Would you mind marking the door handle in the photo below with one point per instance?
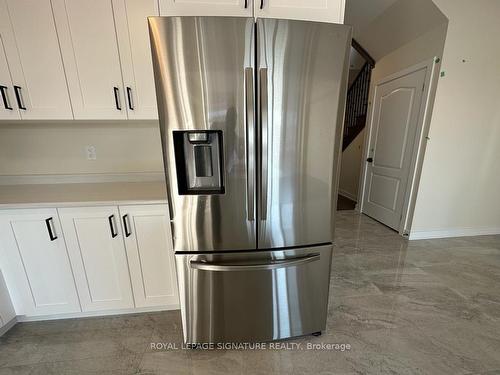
(17, 91)
(117, 98)
(129, 98)
(50, 229)
(250, 143)
(261, 4)
(111, 220)
(5, 98)
(275, 264)
(246, 4)
(263, 143)
(126, 226)
(369, 160)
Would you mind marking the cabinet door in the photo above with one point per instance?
(310, 10)
(149, 250)
(35, 262)
(235, 8)
(32, 48)
(135, 55)
(7, 312)
(8, 111)
(97, 254)
(90, 52)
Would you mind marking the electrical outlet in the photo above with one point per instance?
(91, 152)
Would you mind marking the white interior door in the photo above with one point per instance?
(35, 263)
(32, 48)
(310, 10)
(395, 119)
(8, 110)
(89, 49)
(97, 254)
(135, 54)
(235, 8)
(149, 251)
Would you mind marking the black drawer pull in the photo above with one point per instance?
(111, 220)
(129, 97)
(49, 224)
(3, 91)
(17, 91)
(125, 225)
(117, 98)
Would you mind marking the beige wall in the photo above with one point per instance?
(350, 168)
(59, 148)
(460, 183)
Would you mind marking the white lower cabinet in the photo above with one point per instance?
(7, 312)
(79, 260)
(150, 256)
(97, 253)
(35, 262)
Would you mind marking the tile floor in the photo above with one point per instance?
(420, 307)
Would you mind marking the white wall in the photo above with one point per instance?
(350, 167)
(59, 148)
(460, 182)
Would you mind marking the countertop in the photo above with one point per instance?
(81, 194)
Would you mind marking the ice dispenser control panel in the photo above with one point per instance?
(198, 158)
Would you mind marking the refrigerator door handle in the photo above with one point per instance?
(250, 143)
(204, 266)
(263, 143)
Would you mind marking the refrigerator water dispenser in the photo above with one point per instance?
(199, 164)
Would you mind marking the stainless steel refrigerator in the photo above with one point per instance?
(251, 115)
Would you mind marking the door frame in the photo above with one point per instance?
(417, 150)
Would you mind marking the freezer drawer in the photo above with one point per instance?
(253, 296)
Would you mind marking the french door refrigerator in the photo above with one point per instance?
(251, 115)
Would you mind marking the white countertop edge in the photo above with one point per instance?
(9, 206)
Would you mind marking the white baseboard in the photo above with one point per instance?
(81, 178)
(9, 325)
(24, 318)
(455, 232)
(348, 195)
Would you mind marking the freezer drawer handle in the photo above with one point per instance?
(205, 266)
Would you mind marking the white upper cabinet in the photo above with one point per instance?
(135, 54)
(90, 53)
(150, 256)
(8, 110)
(241, 8)
(97, 254)
(308, 10)
(35, 262)
(30, 40)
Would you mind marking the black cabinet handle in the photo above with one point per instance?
(261, 4)
(111, 220)
(369, 160)
(3, 91)
(117, 98)
(129, 97)
(246, 4)
(125, 225)
(48, 222)
(17, 91)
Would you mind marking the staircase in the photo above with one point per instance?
(357, 100)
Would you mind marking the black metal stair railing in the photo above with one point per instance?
(357, 105)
